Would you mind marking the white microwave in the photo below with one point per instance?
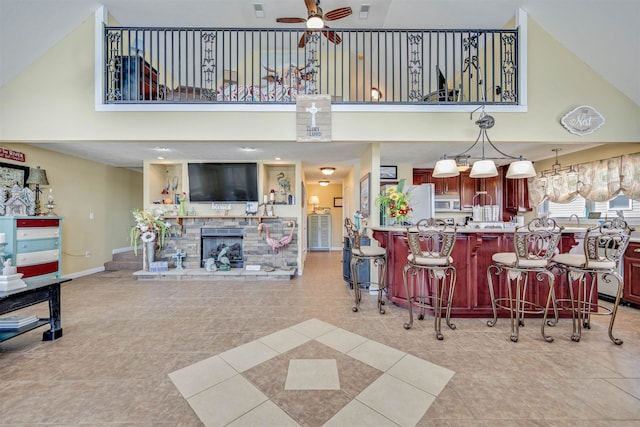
(447, 204)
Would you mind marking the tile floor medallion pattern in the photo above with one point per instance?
(311, 374)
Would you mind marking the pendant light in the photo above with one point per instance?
(485, 167)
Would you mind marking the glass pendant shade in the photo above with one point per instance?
(484, 169)
(521, 169)
(445, 168)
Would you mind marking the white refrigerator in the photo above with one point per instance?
(421, 200)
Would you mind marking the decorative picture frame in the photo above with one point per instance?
(365, 192)
(337, 202)
(388, 172)
(11, 175)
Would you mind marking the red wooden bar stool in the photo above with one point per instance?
(534, 246)
(429, 261)
(603, 247)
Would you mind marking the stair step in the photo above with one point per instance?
(124, 261)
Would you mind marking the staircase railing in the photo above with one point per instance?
(235, 66)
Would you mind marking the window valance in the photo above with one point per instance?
(597, 181)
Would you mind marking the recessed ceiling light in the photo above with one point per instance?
(278, 158)
(248, 148)
(160, 158)
(163, 149)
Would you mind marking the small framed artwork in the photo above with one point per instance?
(337, 202)
(388, 172)
(11, 175)
(365, 191)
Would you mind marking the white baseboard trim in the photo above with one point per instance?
(120, 250)
(83, 273)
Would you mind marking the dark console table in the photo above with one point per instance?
(37, 291)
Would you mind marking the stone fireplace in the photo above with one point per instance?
(193, 231)
(215, 240)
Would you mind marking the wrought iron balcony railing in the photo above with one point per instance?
(235, 66)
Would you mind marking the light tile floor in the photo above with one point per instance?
(397, 391)
(123, 338)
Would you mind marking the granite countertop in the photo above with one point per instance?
(635, 236)
(485, 228)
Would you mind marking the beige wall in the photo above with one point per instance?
(81, 187)
(596, 153)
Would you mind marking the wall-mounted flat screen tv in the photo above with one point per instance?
(223, 182)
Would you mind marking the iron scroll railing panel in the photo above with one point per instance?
(234, 66)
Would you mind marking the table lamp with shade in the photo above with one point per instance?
(37, 177)
(314, 201)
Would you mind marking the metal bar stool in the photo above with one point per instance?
(603, 248)
(361, 253)
(429, 261)
(534, 246)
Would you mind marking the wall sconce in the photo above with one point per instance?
(314, 201)
(37, 177)
(323, 182)
(485, 167)
(327, 170)
(376, 95)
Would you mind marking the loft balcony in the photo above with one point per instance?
(227, 66)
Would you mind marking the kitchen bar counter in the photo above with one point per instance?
(471, 258)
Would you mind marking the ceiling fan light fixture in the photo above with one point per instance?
(315, 22)
(327, 170)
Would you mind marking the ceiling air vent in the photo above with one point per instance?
(259, 11)
(364, 11)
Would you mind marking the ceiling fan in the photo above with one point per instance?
(316, 20)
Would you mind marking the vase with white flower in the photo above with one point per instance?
(151, 230)
(394, 203)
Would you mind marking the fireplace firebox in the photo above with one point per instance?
(214, 240)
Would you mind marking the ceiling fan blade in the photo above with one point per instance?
(333, 37)
(311, 6)
(291, 20)
(303, 40)
(339, 13)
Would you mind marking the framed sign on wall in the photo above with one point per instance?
(11, 175)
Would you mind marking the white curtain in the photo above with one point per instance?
(597, 181)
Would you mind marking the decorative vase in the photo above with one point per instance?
(182, 211)
(148, 255)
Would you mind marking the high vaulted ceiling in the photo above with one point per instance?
(602, 33)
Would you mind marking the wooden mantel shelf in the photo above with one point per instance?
(260, 217)
(180, 218)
